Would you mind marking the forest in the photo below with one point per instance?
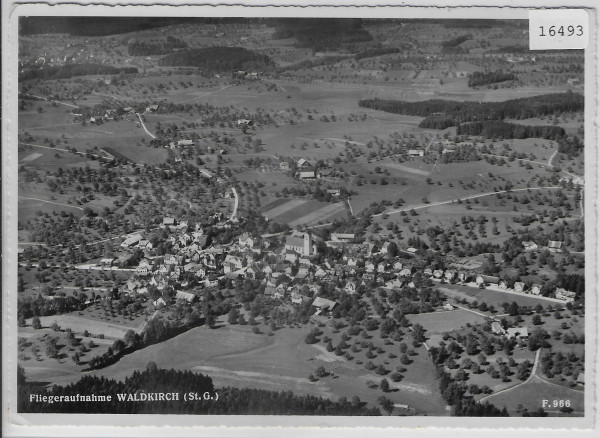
(217, 59)
(320, 34)
(500, 130)
(485, 118)
(71, 70)
(468, 111)
(231, 401)
(478, 78)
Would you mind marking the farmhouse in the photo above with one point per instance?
(342, 237)
(185, 143)
(107, 263)
(306, 175)
(555, 246)
(416, 152)
(168, 221)
(323, 305)
(245, 122)
(520, 286)
(131, 240)
(303, 164)
(185, 296)
(151, 108)
(246, 240)
(530, 245)
(517, 332)
(497, 328)
(487, 279)
(565, 295)
(536, 289)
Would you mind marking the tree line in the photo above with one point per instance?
(469, 111)
(478, 78)
(70, 70)
(498, 129)
(217, 58)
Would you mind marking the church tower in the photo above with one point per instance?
(307, 250)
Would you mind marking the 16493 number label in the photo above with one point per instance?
(561, 30)
(558, 29)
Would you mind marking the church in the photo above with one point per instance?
(301, 243)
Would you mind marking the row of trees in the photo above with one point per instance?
(478, 78)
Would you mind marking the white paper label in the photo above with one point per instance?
(556, 29)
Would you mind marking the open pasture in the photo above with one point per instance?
(298, 212)
(490, 297)
(438, 323)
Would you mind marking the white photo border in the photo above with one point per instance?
(20, 424)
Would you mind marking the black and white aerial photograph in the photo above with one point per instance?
(289, 216)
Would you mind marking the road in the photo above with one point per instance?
(51, 202)
(436, 204)
(236, 202)
(531, 375)
(83, 154)
(50, 100)
(144, 126)
(205, 94)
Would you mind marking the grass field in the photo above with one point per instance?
(490, 297)
(438, 323)
(298, 212)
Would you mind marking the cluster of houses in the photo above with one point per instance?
(287, 268)
(305, 171)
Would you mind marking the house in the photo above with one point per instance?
(503, 284)
(520, 286)
(536, 289)
(306, 175)
(168, 221)
(342, 237)
(555, 246)
(185, 143)
(497, 328)
(107, 263)
(185, 296)
(160, 302)
(303, 164)
(393, 284)
(245, 122)
(246, 240)
(333, 192)
(529, 245)
(450, 275)
(325, 173)
(573, 81)
(438, 273)
(398, 266)
(323, 304)
(350, 287)
(151, 108)
(448, 306)
(581, 378)
(464, 276)
(517, 332)
(284, 165)
(565, 295)
(406, 272)
(232, 263)
(412, 250)
(369, 267)
(131, 240)
(416, 152)
(428, 272)
(487, 279)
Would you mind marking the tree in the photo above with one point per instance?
(36, 323)
(386, 404)
(536, 320)
(384, 385)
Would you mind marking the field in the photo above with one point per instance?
(298, 212)
(491, 297)
(233, 355)
(438, 323)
